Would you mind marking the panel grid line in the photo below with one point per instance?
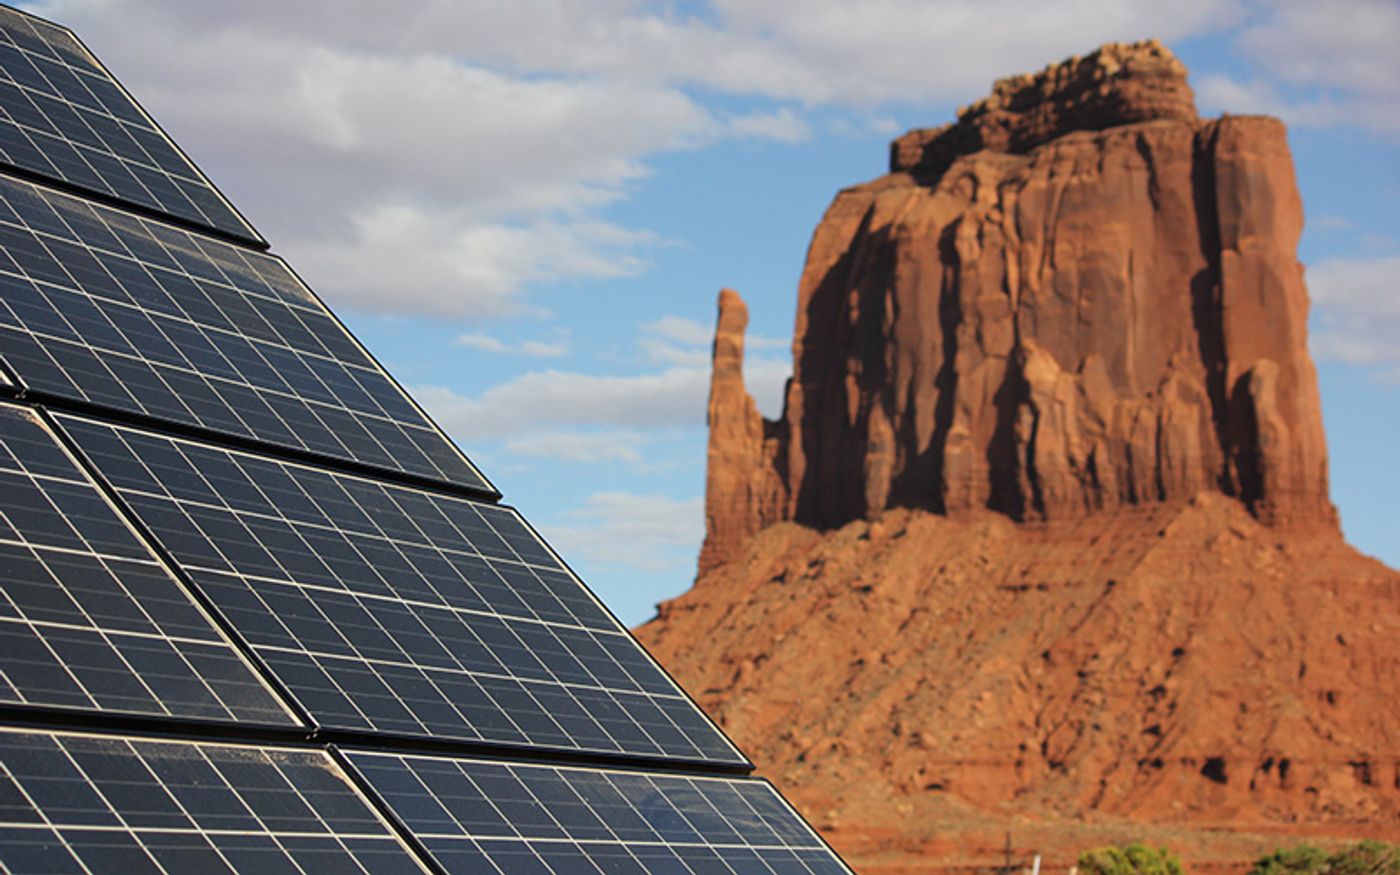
(222, 629)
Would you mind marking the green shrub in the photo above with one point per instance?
(1364, 858)
(1367, 858)
(1132, 860)
(1302, 860)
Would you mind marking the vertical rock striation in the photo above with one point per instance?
(1077, 297)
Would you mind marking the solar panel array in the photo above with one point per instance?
(257, 612)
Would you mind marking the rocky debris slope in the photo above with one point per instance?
(1042, 543)
(921, 685)
(1077, 297)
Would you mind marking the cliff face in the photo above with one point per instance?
(1077, 297)
(1040, 550)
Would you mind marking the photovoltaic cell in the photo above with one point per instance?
(486, 817)
(106, 308)
(89, 619)
(397, 610)
(101, 804)
(62, 115)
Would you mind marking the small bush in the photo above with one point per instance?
(1365, 858)
(1132, 860)
(1302, 860)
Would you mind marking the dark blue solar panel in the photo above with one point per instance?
(478, 816)
(393, 609)
(87, 804)
(106, 308)
(63, 116)
(89, 619)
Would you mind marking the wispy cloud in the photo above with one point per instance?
(679, 329)
(677, 340)
(1357, 313)
(1318, 65)
(783, 125)
(580, 447)
(658, 399)
(644, 532)
(551, 411)
(484, 342)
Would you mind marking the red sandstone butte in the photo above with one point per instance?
(1041, 544)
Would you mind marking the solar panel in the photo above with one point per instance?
(89, 619)
(103, 804)
(477, 816)
(398, 610)
(257, 612)
(113, 310)
(63, 116)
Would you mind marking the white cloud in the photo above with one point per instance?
(581, 447)
(661, 399)
(1220, 93)
(645, 532)
(1217, 93)
(1344, 43)
(399, 258)
(863, 126)
(661, 351)
(534, 348)
(679, 329)
(483, 342)
(400, 169)
(447, 157)
(784, 126)
(1329, 222)
(670, 398)
(1329, 63)
(863, 54)
(1357, 312)
(853, 54)
(677, 340)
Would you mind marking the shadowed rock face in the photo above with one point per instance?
(1077, 297)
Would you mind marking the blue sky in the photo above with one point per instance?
(525, 208)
